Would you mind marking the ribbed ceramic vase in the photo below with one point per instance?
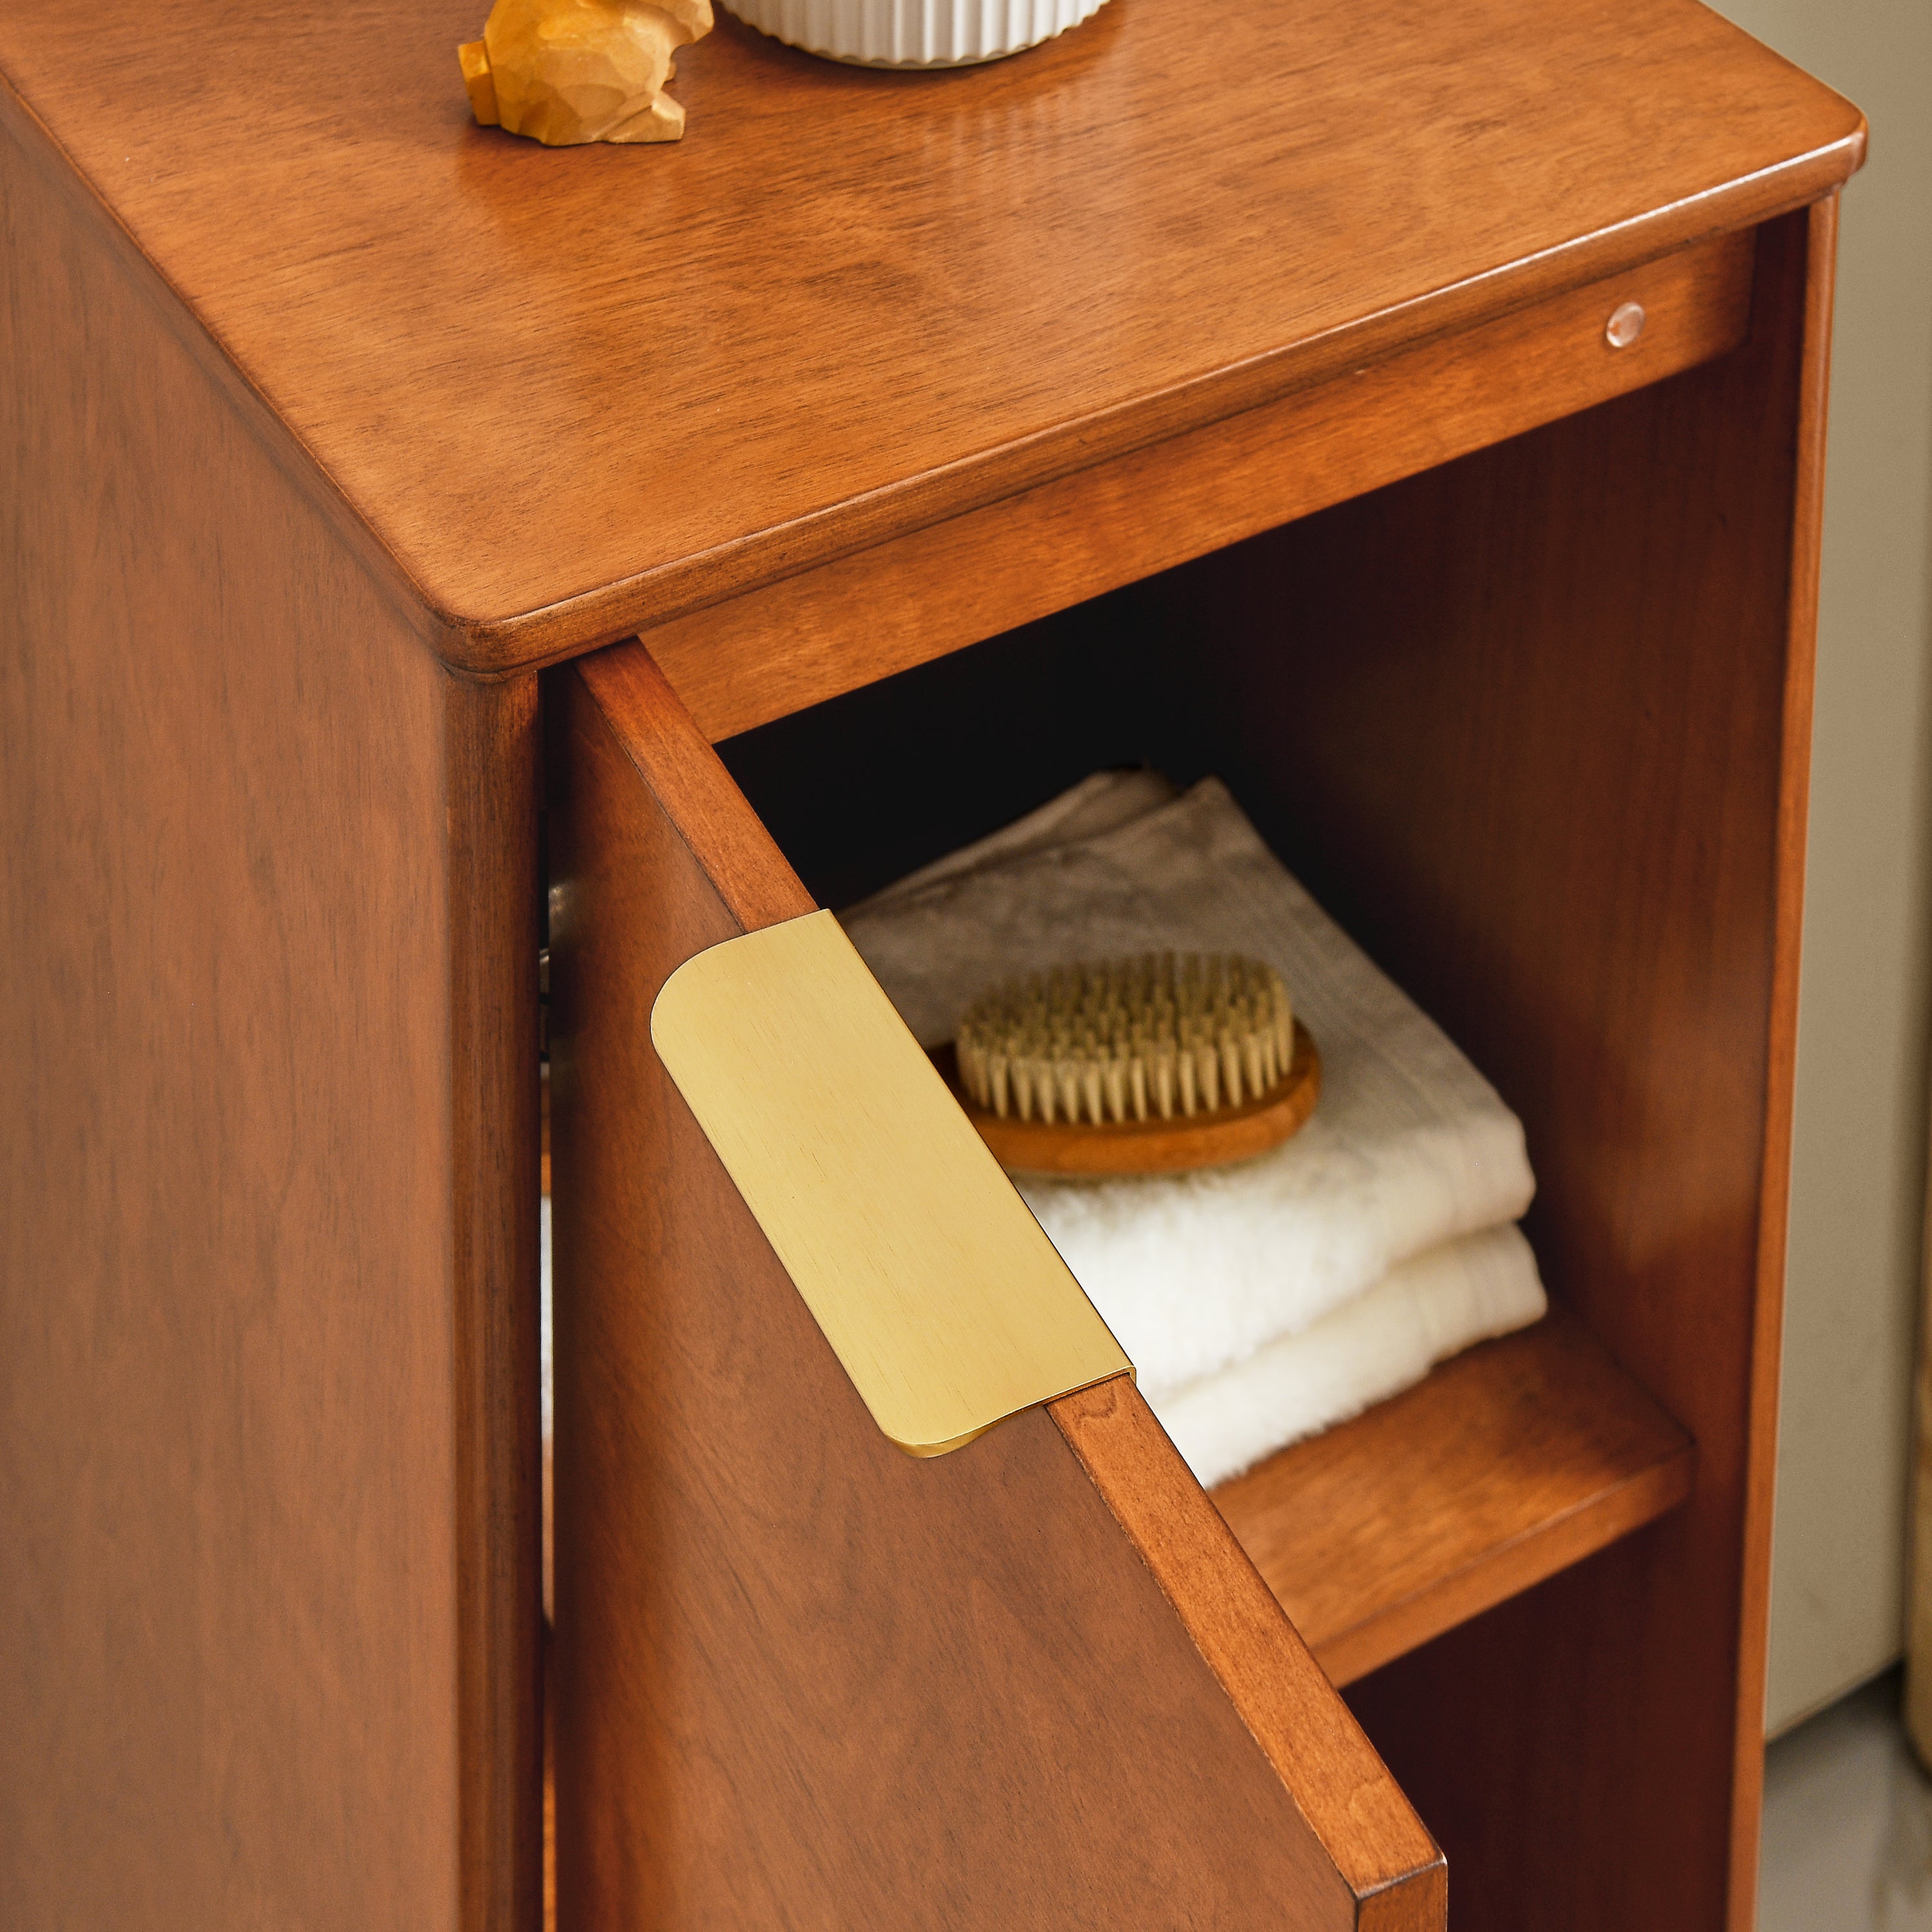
(914, 33)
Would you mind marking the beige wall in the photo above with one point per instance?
(1859, 1181)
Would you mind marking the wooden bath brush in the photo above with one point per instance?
(1151, 1065)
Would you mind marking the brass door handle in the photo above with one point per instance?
(947, 1305)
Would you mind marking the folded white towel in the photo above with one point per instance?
(1376, 1344)
(1409, 1148)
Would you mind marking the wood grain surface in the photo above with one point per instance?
(810, 637)
(491, 741)
(1285, 1700)
(303, 369)
(1803, 343)
(267, 1511)
(1504, 1466)
(802, 1678)
(1563, 689)
(1532, 727)
(573, 392)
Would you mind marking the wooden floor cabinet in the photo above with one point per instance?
(420, 547)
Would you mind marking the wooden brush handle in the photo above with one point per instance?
(1148, 1147)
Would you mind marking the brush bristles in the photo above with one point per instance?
(1154, 1038)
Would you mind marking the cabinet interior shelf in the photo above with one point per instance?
(1504, 1465)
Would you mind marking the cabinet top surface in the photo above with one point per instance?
(572, 391)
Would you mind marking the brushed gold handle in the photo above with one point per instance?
(947, 1307)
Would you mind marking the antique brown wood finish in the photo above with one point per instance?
(1563, 691)
(491, 736)
(1799, 352)
(1507, 1465)
(1533, 725)
(267, 1326)
(307, 380)
(1284, 1698)
(572, 393)
(804, 639)
(802, 1678)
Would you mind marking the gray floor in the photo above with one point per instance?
(1847, 1823)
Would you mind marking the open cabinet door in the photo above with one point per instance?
(803, 1678)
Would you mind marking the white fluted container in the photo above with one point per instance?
(914, 33)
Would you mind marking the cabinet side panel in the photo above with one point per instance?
(1809, 344)
(1532, 726)
(227, 1447)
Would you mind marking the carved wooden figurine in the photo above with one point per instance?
(567, 71)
